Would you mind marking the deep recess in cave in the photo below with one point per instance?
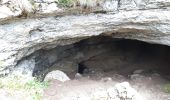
(122, 56)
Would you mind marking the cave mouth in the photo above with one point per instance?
(102, 54)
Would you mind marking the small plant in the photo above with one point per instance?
(37, 87)
(65, 3)
(33, 84)
(81, 3)
(167, 88)
(37, 96)
(32, 87)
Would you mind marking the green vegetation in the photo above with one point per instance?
(81, 3)
(32, 2)
(32, 88)
(167, 88)
(65, 3)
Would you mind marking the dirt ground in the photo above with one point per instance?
(94, 86)
(144, 66)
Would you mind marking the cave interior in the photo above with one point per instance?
(103, 54)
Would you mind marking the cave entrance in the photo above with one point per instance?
(105, 56)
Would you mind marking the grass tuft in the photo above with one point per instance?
(166, 88)
(65, 3)
(81, 3)
(32, 88)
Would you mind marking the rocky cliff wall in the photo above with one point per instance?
(26, 30)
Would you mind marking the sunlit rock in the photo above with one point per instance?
(57, 75)
(5, 12)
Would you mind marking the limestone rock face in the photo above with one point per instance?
(145, 20)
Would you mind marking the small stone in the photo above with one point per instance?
(139, 71)
(126, 92)
(156, 74)
(112, 93)
(78, 76)
(136, 76)
(110, 5)
(106, 79)
(57, 75)
(92, 71)
(50, 8)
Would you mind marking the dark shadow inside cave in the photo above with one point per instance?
(106, 54)
(81, 68)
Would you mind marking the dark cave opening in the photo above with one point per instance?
(106, 54)
(81, 68)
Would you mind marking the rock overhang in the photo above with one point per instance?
(22, 37)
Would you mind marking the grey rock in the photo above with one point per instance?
(52, 7)
(139, 71)
(123, 91)
(5, 12)
(136, 77)
(78, 76)
(57, 75)
(4, 1)
(48, 8)
(106, 79)
(110, 5)
(87, 3)
(26, 66)
(22, 37)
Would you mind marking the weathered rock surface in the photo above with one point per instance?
(57, 75)
(146, 20)
(123, 91)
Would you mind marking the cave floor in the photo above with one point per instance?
(144, 66)
(94, 86)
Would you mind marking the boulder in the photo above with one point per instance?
(56, 75)
(123, 91)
